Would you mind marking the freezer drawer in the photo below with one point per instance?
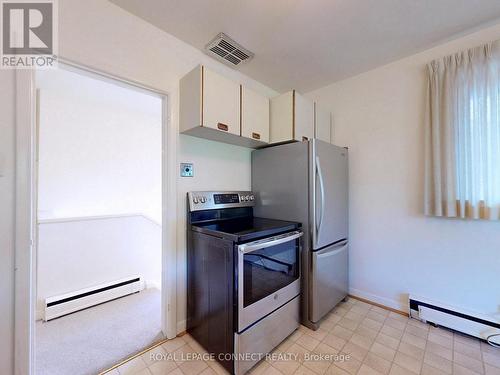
(329, 279)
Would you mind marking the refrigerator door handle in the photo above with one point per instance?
(322, 193)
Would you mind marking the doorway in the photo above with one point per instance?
(73, 207)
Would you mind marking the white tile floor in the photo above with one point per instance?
(376, 340)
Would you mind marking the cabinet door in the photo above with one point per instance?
(254, 115)
(304, 118)
(281, 118)
(322, 124)
(221, 103)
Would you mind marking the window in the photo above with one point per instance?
(462, 170)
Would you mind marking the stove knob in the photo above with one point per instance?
(203, 199)
(251, 197)
(247, 198)
(195, 200)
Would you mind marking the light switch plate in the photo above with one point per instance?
(187, 170)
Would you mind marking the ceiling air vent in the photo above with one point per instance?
(225, 49)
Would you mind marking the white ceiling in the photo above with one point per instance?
(307, 44)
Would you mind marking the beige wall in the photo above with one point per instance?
(102, 35)
(395, 249)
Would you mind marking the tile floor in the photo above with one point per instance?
(376, 340)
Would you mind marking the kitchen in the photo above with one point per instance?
(378, 114)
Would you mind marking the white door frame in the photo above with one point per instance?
(25, 212)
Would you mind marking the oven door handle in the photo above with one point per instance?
(268, 242)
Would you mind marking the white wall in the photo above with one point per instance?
(84, 253)
(99, 148)
(395, 249)
(100, 34)
(100, 154)
(7, 178)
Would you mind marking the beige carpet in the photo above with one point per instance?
(94, 339)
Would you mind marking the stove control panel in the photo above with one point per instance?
(212, 200)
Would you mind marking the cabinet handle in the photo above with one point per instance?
(255, 135)
(222, 126)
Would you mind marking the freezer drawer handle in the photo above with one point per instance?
(332, 250)
(268, 242)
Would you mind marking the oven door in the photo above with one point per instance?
(268, 276)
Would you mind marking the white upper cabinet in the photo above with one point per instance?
(254, 115)
(210, 106)
(292, 118)
(322, 124)
(209, 100)
(304, 118)
(221, 102)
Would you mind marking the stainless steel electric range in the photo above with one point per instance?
(243, 278)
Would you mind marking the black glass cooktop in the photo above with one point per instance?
(244, 229)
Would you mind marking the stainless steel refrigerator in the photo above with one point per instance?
(308, 182)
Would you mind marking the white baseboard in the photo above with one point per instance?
(39, 313)
(181, 326)
(63, 304)
(378, 299)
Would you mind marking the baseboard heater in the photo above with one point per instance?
(81, 299)
(483, 327)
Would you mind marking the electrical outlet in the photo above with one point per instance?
(187, 170)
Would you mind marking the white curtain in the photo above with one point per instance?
(462, 138)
